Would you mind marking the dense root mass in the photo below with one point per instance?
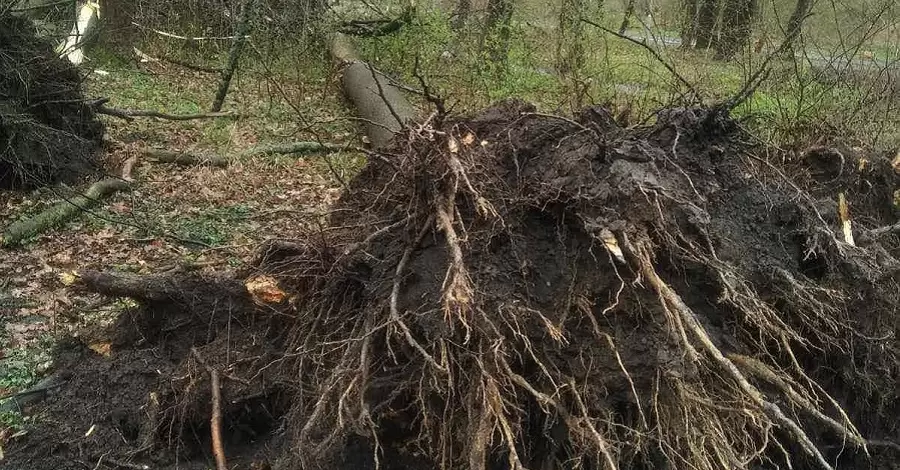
(47, 130)
(516, 290)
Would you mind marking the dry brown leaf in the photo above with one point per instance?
(102, 348)
(265, 289)
(469, 139)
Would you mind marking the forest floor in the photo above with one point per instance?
(176, 218)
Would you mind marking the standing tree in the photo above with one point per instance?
(629, 12)
(706, 17)
(496, 35)
(737, 23)
(570, 41)
(234, 55)
(795, 24)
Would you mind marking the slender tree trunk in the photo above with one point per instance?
(629, 12)
(234, 55)
(795, 24)
(707, 16)
(737, 24)
(497, 31)
(690, 10)
(570, 41)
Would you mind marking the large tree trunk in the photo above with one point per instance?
(379, 104)
(570, 41)
(737, 24)
(706, 18)
(795, 24)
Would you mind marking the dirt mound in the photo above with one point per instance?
(47, 131)
(519, 290)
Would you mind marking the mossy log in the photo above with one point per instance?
(60, 213)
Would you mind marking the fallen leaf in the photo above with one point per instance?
(68, 278)
(265, 289)
(468, 139)
(101, 348)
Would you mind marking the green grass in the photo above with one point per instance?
(212, 227)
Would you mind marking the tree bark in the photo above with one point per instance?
(379, 104)
(795, 24)
(737, 24)
(234, 55)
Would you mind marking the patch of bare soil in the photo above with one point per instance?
(515, 290)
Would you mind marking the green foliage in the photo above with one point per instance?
(20, 367)
(212, 227)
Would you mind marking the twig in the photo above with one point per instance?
(185, 38)
(668, 66)
(199, 68)
(41, 6)
(884, 230)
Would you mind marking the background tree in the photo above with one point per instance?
(498, 30)
(737, 24)
(795, 24)
(570, 40)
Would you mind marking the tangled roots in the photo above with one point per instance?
(537, 291)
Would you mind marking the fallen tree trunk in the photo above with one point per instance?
(61, 212)
(379, 104)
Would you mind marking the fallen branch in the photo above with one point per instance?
(184, 158)
(130, 114)
(199, 68)
(61, 212)
(147, 288)
(376, 28)
(298, 148)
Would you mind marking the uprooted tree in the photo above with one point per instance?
(516, 290)
(48, 131)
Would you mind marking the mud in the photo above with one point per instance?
(467, 309)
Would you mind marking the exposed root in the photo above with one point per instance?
(642, 260)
